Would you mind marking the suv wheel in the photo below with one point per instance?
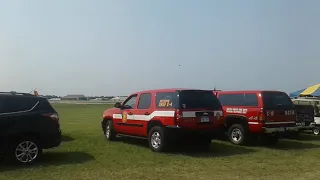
(237, 134)
(109, 132)
(26, 151)
(156, 138)
(316, 131)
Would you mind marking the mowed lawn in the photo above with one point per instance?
(85, 154)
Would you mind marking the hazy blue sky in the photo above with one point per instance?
(115, 47)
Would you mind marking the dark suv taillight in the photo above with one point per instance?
(53, 116)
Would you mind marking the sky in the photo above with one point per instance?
(113, 47)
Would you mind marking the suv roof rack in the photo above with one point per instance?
(15, 93)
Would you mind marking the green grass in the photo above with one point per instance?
(85, 154)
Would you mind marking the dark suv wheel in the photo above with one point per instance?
(26, 150)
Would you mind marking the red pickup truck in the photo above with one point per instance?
(253, 115)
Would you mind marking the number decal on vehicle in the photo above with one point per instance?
(165, 103)
(253, 118)
(270, 113)
(289, 113)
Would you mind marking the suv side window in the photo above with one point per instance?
(18, 104)
(130, 103)
(144, 101)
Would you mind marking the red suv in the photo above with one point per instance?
(163, 115)
(257, 114)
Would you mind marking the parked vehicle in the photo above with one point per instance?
(28, 124)
(253, 115)
(165, 115)
(315, 103)
(305, 117)
(316, 129)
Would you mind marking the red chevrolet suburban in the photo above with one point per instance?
(253, 115)
(164, 115)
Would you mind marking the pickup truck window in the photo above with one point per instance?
(240, 99)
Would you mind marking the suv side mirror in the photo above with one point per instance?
(117, 105)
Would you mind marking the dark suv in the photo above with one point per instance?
(28, 124)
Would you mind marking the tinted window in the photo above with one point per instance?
(243, 99)
(44, 105)
(130, 102)
(166, 99)
(144, 101)
(16, 103)
(276, 100)
(193, 99)
(250, 99)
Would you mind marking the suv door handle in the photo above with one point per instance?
(146, 113)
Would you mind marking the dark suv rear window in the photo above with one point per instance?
(194, 99)
(276, 100)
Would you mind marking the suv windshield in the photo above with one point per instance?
(276, 100)
(195, 99)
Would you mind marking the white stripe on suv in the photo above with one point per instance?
(161, 114)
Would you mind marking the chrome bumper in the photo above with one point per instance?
(280, 129)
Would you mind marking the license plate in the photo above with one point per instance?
(282, 129)
(204, 119)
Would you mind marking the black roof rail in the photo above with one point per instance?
(16, 93)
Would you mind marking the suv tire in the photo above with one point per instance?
(157, 140)
(25, 150)
(109, 132)
(237, 134)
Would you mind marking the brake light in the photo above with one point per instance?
(261, 115)
(177, 116)
(53, 116)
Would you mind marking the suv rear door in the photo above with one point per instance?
(278, 108)
(198, 108)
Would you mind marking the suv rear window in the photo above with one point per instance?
(194, 99)
(276, 100)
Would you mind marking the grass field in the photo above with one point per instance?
(85, 154)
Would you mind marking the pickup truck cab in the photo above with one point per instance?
(252, 115)
(164, 115)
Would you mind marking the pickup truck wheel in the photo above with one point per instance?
(157, 139)
(237, 134)
(109, 132)
(316, 131)
(26, 151)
